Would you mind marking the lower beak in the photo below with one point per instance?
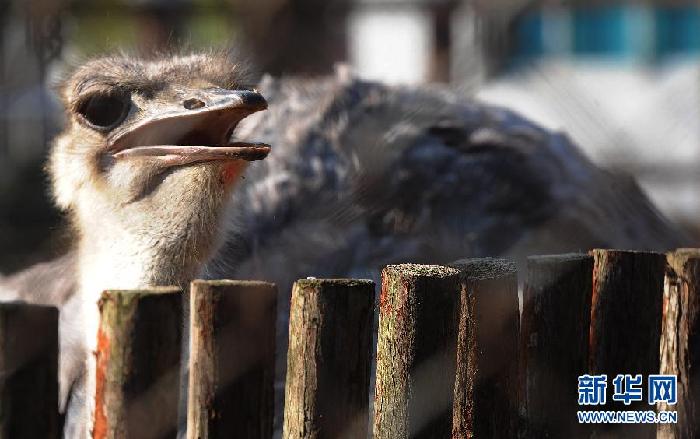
(197, 130)
(173, 155)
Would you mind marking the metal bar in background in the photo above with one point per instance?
(4, 147)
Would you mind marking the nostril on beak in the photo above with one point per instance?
(253, 99)
(193, 104)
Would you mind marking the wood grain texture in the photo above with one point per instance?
(626, 309)
(554, 342)
(680, 341)
(418, 318)
(486, 384)
(232, 359)
(138, 360)
(28, 371)
(329, 358)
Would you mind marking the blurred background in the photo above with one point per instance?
(621, 78)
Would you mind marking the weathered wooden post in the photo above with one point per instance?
(680, 341)
(486, 384)
(28, 371)
(625, 330)
(138, 358)
(232, 359)
(418, 317)
(328, 362)
(554, 342)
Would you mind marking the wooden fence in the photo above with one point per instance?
(455, 357)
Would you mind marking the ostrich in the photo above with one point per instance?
(359, 175)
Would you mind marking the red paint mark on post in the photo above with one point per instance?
(101, 424)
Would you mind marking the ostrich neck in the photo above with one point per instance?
(114, 257)
(130, 262)
(156, 246)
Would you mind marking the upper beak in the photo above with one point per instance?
(197, 128)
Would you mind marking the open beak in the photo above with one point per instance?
(198, 129)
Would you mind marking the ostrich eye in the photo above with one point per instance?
(105, 111)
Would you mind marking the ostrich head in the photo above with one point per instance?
(146, 162)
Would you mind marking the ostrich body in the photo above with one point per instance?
(360, 175)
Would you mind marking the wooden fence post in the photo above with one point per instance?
(328, 362)
(486, 384)
(680, 341)
(28, 371)
(626, 309)
(138, 358)
(554, 342)
(418, 317)
(232, 361)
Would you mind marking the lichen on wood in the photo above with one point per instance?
(416, 351)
